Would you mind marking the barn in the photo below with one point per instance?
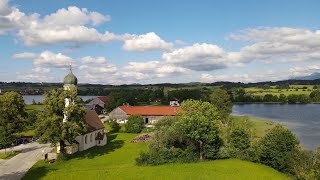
(150, 114)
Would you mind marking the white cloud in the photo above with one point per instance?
(146, 42)
(25, 55)
(40, 70)
(279, 45)
(46, 59)
(199, 57)
(152, 69)
(107, 68)
(50, 59)
(91, 60)
(33, 78)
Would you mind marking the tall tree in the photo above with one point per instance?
(198, 123)
(221, 99)
(12, 116)
(50, 127)
(276, 147)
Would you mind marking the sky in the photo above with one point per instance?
(143, 41)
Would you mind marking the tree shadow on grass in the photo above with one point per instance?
(111, 146)
(37, 173)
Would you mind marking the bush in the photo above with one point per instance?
(305, 164)
(240, 139)
(114, 126)
(275, 149)
(135, 124)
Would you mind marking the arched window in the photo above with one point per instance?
(85, 139)
(90, 137)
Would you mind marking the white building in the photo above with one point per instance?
(95, 136)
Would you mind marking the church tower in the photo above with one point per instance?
(70, 81)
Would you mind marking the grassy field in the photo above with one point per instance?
(29, 107)
(8, 155)
(261, 92)
(116, 160)
(258, 126)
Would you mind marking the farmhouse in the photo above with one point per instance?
(150, 114)
(95, 135)
(98, 104)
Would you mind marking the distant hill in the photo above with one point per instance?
(312, 76)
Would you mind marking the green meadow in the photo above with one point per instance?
(116, 160)
(294, 89)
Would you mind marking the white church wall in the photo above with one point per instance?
(89, 140)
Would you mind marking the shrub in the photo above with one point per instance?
(275, 149)
(135, 124)
(240, 139)
(114, 126)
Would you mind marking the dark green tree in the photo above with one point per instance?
(276, 147)
(198, 121)
(221, 99)
(315, 96)
(240, 139)
(135, 124)
(50, 127)
(12, 117)
(283, 99)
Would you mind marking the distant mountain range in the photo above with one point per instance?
(312, 76)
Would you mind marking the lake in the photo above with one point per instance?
(39, 98)
(303, 120)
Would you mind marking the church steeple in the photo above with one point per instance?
(70, 80)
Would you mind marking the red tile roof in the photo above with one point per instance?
(104, 99)
(93, 120)
(151, 110)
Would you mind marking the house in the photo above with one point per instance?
(98, 104)
(150, 114)
(95, 134)
(175, 102)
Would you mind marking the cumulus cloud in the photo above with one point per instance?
(152, 69)
(90, 60)
(46, 59)
(146, 42)
(107, 68)
(279, 45)
(199, 57)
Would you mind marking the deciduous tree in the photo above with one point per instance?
(198, 123)
(50, 127)
(12, 116)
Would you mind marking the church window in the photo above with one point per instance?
(85, 139)
(90, 137)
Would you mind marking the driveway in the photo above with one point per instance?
(16, 167)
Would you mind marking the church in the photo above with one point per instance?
(95, 135)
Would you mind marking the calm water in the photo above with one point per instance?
(303, 120)
(39, 98)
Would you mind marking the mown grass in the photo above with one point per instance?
(8, 155)
(116, 160)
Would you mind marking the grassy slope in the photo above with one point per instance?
(117, 161)
(29, 107)
(259, 126)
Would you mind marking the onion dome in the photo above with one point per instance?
(70, 79)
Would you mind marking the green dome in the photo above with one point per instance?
(70, 79)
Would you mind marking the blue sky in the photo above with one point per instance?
(117, 42)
